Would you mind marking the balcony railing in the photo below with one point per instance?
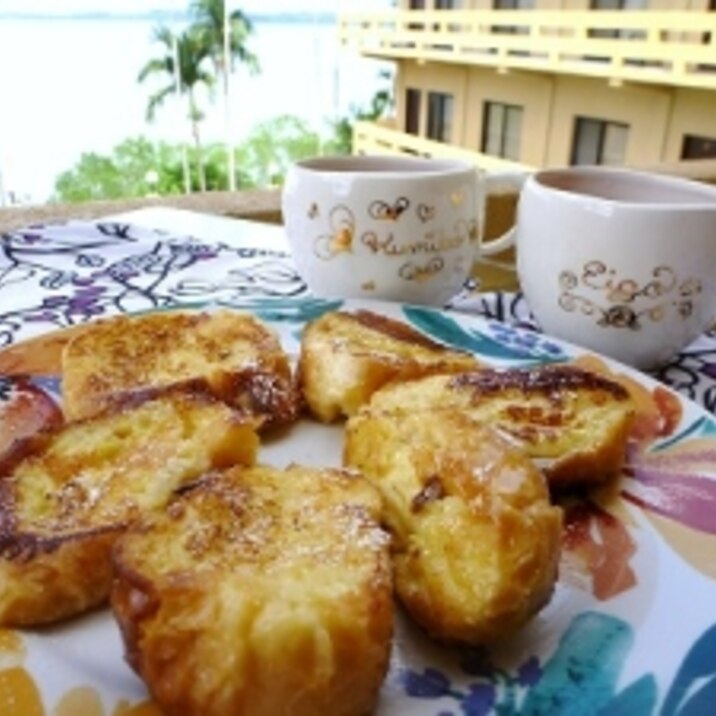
(665, 47)
(372, 138)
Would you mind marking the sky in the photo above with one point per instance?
(132, 6)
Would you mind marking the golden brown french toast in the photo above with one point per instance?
(239, 358)
(259, 592)
(576, 423)
(67, 494)
(476, 541)
(346, 357)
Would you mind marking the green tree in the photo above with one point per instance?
(190, 52)
(380, 104)
(272, 146)
(222, 44)
(135, 168)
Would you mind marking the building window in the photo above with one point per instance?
(513, 4)
(412, 111)
(501, 130)
(694, 147)
(597, 141)
(446, 4)
(440, 112)
(618, 5)
(417, 4)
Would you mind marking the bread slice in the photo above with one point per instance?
(345, 357)
(67, 494)
(476, 541)
(236, 356)
(259, 592)
(575, 423)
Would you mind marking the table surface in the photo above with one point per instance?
(58, 275)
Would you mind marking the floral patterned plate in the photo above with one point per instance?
(631, 628)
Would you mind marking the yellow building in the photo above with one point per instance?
(519, 84)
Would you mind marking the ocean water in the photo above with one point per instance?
(70, 86)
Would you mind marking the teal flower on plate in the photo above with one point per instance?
(497, 340)
(579, 678)
(286, 310)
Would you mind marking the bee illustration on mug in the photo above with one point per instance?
(340, 239)
(383, 211)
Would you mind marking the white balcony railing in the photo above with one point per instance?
(666, 47)
(372, 138)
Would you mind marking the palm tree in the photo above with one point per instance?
(224, 37)
(182, 65)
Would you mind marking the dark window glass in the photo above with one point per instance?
(598, 141)
(440, 114)
(412, 111)
(501, 130)
(694, 147)
(513, 4)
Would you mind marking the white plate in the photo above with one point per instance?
(631, 628)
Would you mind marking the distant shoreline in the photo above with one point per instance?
(169, 17)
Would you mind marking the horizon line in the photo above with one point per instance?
(297, 15)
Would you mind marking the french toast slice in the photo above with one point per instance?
(573, 422)
(235, 355)
(345, 357)
(67, 494)
(259, 592)
(476, 542)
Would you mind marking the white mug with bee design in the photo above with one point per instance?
(395, 228)
(619, 261)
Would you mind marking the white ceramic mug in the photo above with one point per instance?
(619, 261)
(395, 228)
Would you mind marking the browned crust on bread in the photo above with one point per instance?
(346, 357)
(476, 542)
(394, 329)
(548, 380)
(236, 357)
(259, 592)
(67, 493)
(576, 422)
(273, 398)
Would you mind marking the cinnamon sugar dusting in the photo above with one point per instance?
(548, 380)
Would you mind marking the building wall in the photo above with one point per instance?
(645, 109)
(568, 4)
(437, 77)
(693, 112)
(658, 117)
(532, 91)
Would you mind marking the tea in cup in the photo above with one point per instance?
(618, 261)
(396, 228)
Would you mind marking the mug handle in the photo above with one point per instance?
(515, 181)
(501, 243)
